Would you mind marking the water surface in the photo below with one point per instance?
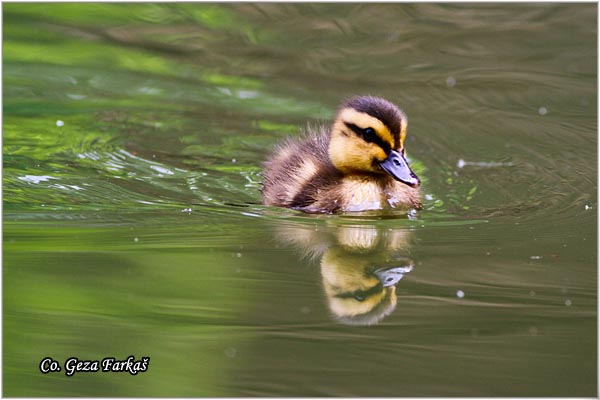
(133, 136)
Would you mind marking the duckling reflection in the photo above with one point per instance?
(360, 267)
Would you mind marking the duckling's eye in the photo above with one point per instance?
(369, 134)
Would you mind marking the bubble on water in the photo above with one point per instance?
(460, 294)
(532, 293)
(587, 207)
(450, 81)
(487, 253)
(428, 197)
(233, 160)
(461, 163)
(543, 111)
(136, 240)
(238, 255)
(536, 257)
(230, 352)
(568, 302)
(187, 210)
(305, 310)
(59, 123)
(533, 331)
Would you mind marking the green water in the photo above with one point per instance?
(133, 136)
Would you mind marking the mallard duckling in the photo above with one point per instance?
(356, 165)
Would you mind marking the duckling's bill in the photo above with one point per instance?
(397, 166)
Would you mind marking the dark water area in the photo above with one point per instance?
(133, 137)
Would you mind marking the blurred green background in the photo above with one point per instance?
(133, 136)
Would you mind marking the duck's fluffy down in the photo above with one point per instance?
(300, 175)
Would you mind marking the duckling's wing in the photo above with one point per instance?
(299, 172)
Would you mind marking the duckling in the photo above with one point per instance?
(358, 164)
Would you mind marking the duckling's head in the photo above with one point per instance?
(367, 137)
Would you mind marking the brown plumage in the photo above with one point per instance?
(356, 165)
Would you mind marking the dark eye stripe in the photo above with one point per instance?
(370, 137)
(361, 295)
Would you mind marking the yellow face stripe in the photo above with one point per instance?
(403, 125)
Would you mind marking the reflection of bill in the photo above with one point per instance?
(360, 267)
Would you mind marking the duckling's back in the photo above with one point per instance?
(300, 172)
